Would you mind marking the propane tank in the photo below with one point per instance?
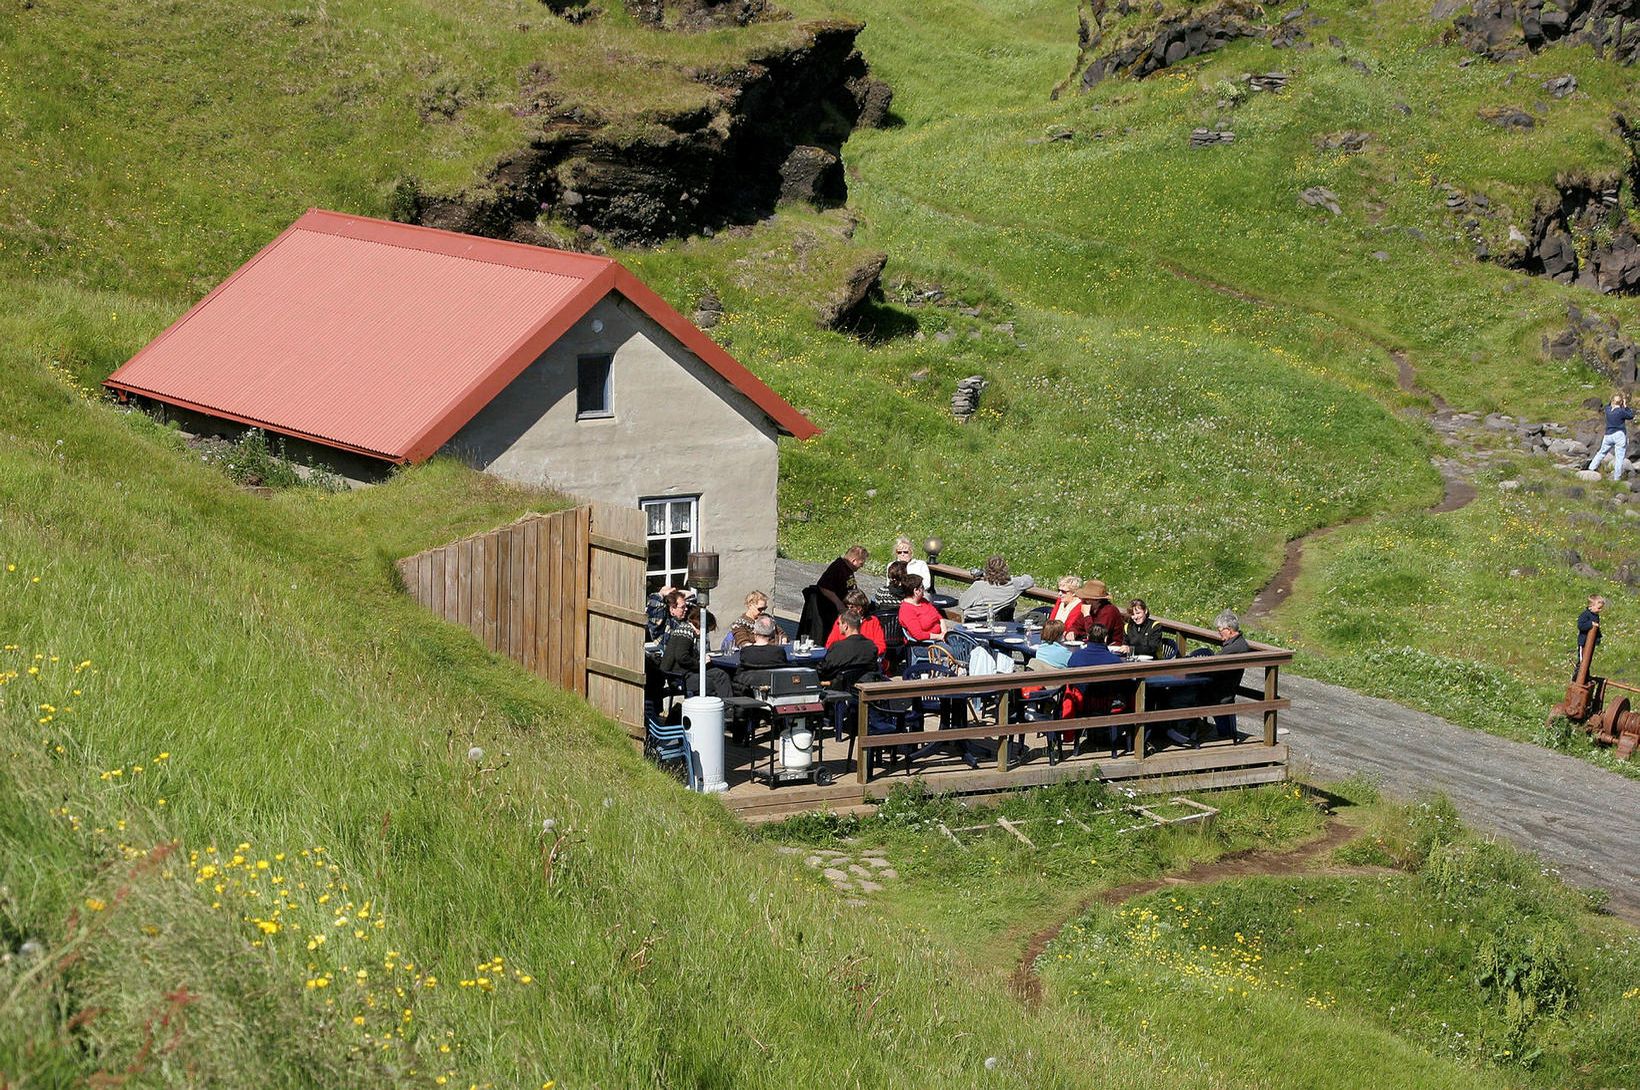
(796, 748)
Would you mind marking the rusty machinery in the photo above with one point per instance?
(1612, 724)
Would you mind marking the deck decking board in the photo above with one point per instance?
(1214, 765)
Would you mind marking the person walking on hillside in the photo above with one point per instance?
(1587, 621)
(1617, 414)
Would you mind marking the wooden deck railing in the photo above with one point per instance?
(1267, 702)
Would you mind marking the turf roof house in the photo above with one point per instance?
(383, 343)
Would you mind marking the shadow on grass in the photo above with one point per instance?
(878, 323)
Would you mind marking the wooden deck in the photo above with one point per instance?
(1215, 764)
(856, 787)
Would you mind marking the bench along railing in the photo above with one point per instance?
(1266, 702)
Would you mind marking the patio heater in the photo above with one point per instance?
(932, 547)
(703, 714)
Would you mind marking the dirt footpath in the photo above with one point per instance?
(1579, 818)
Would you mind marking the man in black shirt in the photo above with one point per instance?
(839, 574)
(763, 653)
(850, 658)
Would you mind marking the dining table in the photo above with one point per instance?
(796, 655)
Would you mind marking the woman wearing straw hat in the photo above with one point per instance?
(1101, 610)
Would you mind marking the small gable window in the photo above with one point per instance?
(594, 387)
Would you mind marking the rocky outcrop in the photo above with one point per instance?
(1184, 34)
(1581, 235)
(862, 285)
(1509, 29)
(1598, 342)
(774, 131)
(693, 15)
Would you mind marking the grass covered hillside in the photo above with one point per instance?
(263, 822)
(1188, 366)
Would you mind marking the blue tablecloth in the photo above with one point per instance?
(731, 662)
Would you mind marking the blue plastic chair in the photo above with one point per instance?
(670, 742)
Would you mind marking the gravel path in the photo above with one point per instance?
(1579, 818)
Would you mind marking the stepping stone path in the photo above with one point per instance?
(853, 873)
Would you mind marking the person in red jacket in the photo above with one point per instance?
(918, 616)
(1101, 610)
(870, 627)
(1070, 609)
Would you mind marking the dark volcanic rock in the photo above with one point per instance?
(1347, 140)
(814, 175)
(1189, 33)
(1321, 197)
(774, 132)
(1508, 29)
(1590, 209)
(864, 283)
(708, 309)
(1598, 342)
(1561, 86)
(1508, 117)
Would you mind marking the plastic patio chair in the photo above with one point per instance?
(665, 742)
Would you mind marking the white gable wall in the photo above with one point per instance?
(678, 429)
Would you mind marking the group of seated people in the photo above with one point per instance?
(1083, 626)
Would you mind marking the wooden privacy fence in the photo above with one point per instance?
(560, 594)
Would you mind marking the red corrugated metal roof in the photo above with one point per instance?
(385, 338)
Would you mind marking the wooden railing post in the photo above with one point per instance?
(1139, 729)
(1002, 723)
(1271, 686)
(862, 756)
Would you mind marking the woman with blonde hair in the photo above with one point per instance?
(1617, 414)
(1071, 610)
(757, 605)
(913, 566)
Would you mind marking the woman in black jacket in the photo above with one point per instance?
(1144, 636)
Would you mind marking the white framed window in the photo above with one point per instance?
(673, 532)
(594, 387)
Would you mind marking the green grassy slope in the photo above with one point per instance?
(250, 662)
(257, 688)
(240, 814)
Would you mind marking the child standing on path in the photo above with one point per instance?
(1618, 414)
